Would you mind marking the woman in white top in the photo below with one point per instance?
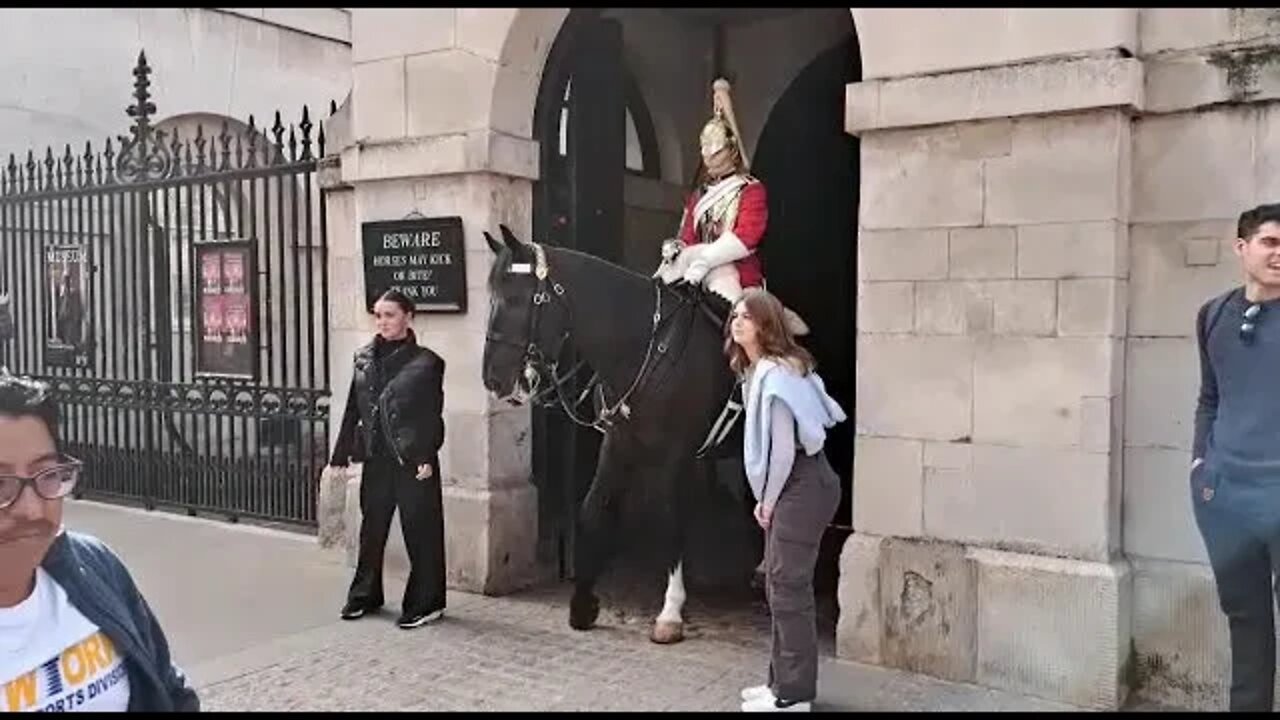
(787, 415)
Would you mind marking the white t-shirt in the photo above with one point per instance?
(53, 659)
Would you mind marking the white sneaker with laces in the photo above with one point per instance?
(770, 704)
(756, 691)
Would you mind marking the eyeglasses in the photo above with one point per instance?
(50, 484)
(1250, 323)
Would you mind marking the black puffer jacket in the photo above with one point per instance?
(397, 392)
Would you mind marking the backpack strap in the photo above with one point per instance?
(1213, 314)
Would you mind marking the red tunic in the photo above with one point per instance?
(753, 217)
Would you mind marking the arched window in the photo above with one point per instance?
(642, 143)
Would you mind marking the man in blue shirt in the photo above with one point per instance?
(1235, 467)
(75, 632)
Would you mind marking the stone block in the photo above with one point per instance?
(1203, 252)
(448, 92)
(381, 33)
(490, 538)
(1180, 637)
(1267, 167)
(917, 179)
(862, 106)
(1092, 307)
(1162, 382)
(886, 307)
(902, 255)
(1023, 307)
(944, 308)
(993, 36)
(887, 492)
(1158, 518)
(1100, 427)
(334, 23)
(514, 95)
(1188, 28)
(1005, 91)
(858, 630)
(1214, 147)
(1164, 292)
(1027, 391)
(1183, 28)
(982, 253)
(1062, 169)
(918, 387)
(378, 100)
(948, 456)
(1056, 629)
(483, 31)
(1037, 500)
(1183, 82)
(1069, 250)
(1009, 307)
(928, 601)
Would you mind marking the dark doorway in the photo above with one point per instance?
(810, 167)
(580, 121)
(587, 105)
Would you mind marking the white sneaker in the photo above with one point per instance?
(756, 691)
(409, 623)
(770, 704)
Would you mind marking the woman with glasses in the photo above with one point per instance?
(1235, 466)
(63, 594)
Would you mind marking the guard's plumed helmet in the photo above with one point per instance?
(721, 131)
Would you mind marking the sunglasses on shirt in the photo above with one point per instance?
(1249, 323)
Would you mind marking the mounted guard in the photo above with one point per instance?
(725, 217)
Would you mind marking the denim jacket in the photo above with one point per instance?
(100, 587)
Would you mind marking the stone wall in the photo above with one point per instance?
(993, 270)
(69, 79)
(1206, 149)
(1047, 199)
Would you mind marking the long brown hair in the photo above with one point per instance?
(776, 340)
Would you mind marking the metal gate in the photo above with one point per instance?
(173, 290)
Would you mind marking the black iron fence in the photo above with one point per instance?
(173, 289)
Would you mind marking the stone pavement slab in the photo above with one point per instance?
(251, 614)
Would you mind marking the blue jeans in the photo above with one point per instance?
(1243, 542)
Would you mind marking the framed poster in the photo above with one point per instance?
(423, 258)
(226, 318)
(68, 330)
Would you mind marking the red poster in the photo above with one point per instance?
(211, 272)
(237, 318)
(233, 271)
(213, 318)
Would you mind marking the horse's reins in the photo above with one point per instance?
(534, 356)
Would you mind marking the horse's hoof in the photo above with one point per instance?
(667, 633)
(583, 613)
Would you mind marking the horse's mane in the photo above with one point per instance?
(503, 264)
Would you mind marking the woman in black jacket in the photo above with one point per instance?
(394, 422)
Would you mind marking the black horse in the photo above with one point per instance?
(661, 382)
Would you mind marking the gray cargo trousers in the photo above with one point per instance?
(805, 507)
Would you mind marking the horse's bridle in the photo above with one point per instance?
(536, 362)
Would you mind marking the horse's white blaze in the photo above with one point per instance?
(673, 603)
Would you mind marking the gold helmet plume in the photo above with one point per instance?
(722, 129)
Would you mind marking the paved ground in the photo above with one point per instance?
(251, 615)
